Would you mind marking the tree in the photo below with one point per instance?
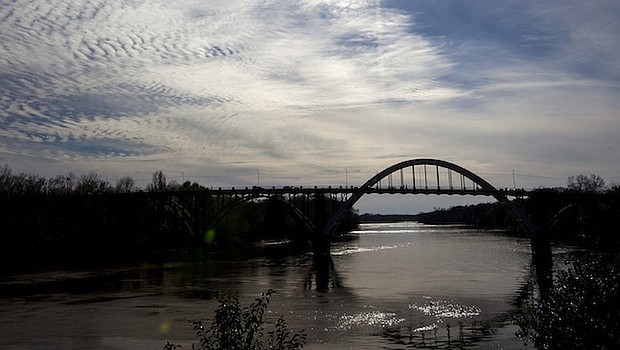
(583, 183)
(159, 182)
(20, 184)
(125, 184)
(5, 177)
(91, 183)
(191, 186)
(31, 184)
(61, 184)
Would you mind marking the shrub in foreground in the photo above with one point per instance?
(242, 328)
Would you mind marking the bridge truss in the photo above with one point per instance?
(430, 176)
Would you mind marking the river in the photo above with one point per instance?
(393, 285)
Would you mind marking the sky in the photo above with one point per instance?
(311, 92)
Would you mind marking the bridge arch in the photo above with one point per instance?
(244, 199)
(485, 188)
(181, 213)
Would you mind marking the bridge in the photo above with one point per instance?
(417, 176)
(206, 208)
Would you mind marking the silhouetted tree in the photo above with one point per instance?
(191, 186)
(31, 183)
(584, 183)
(5, 177)
(159, 182)
(20, 184)
(126, 184)
(61, 184)
(91, 183)
(173, 186)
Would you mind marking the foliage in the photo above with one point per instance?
(91, 183)
(159, 182)
(485, 215)
(582, 311)
(125, 184)
(237, 328)
(584, 183)
(69, 218)
(170, 346)
(82, 218)
(61, 184)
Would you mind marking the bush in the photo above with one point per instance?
(581, 312)
(237, 328)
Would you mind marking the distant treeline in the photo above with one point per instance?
(71, 218)
(485, 215)
(84, 219)
(576, 216)
(91, 183)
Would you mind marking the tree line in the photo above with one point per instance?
(585, 212)
(85, 219)
(90, 183)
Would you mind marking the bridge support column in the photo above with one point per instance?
(321, 244)
(543, 261)
(320, 240)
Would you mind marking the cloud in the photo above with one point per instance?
(301, 89)
(87, 62)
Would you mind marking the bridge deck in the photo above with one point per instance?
(265, 191)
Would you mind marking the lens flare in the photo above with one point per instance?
(164, 327)
(210, 236)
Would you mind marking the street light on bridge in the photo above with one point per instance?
(257, 178)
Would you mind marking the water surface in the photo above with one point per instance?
(397, 285)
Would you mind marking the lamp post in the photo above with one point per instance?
(346, 177)
(257, 178)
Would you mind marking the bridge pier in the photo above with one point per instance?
(321, 244)
(320, 240)
(543, 261)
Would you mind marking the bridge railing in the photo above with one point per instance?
(290, 190)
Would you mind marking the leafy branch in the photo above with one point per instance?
(237, 328)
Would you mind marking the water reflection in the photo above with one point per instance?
(446, 324)
(461, 335)
(322, 276)
(443, 309)
(370, 318)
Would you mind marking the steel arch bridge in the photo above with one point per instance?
(415, 176)
(444, 178)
